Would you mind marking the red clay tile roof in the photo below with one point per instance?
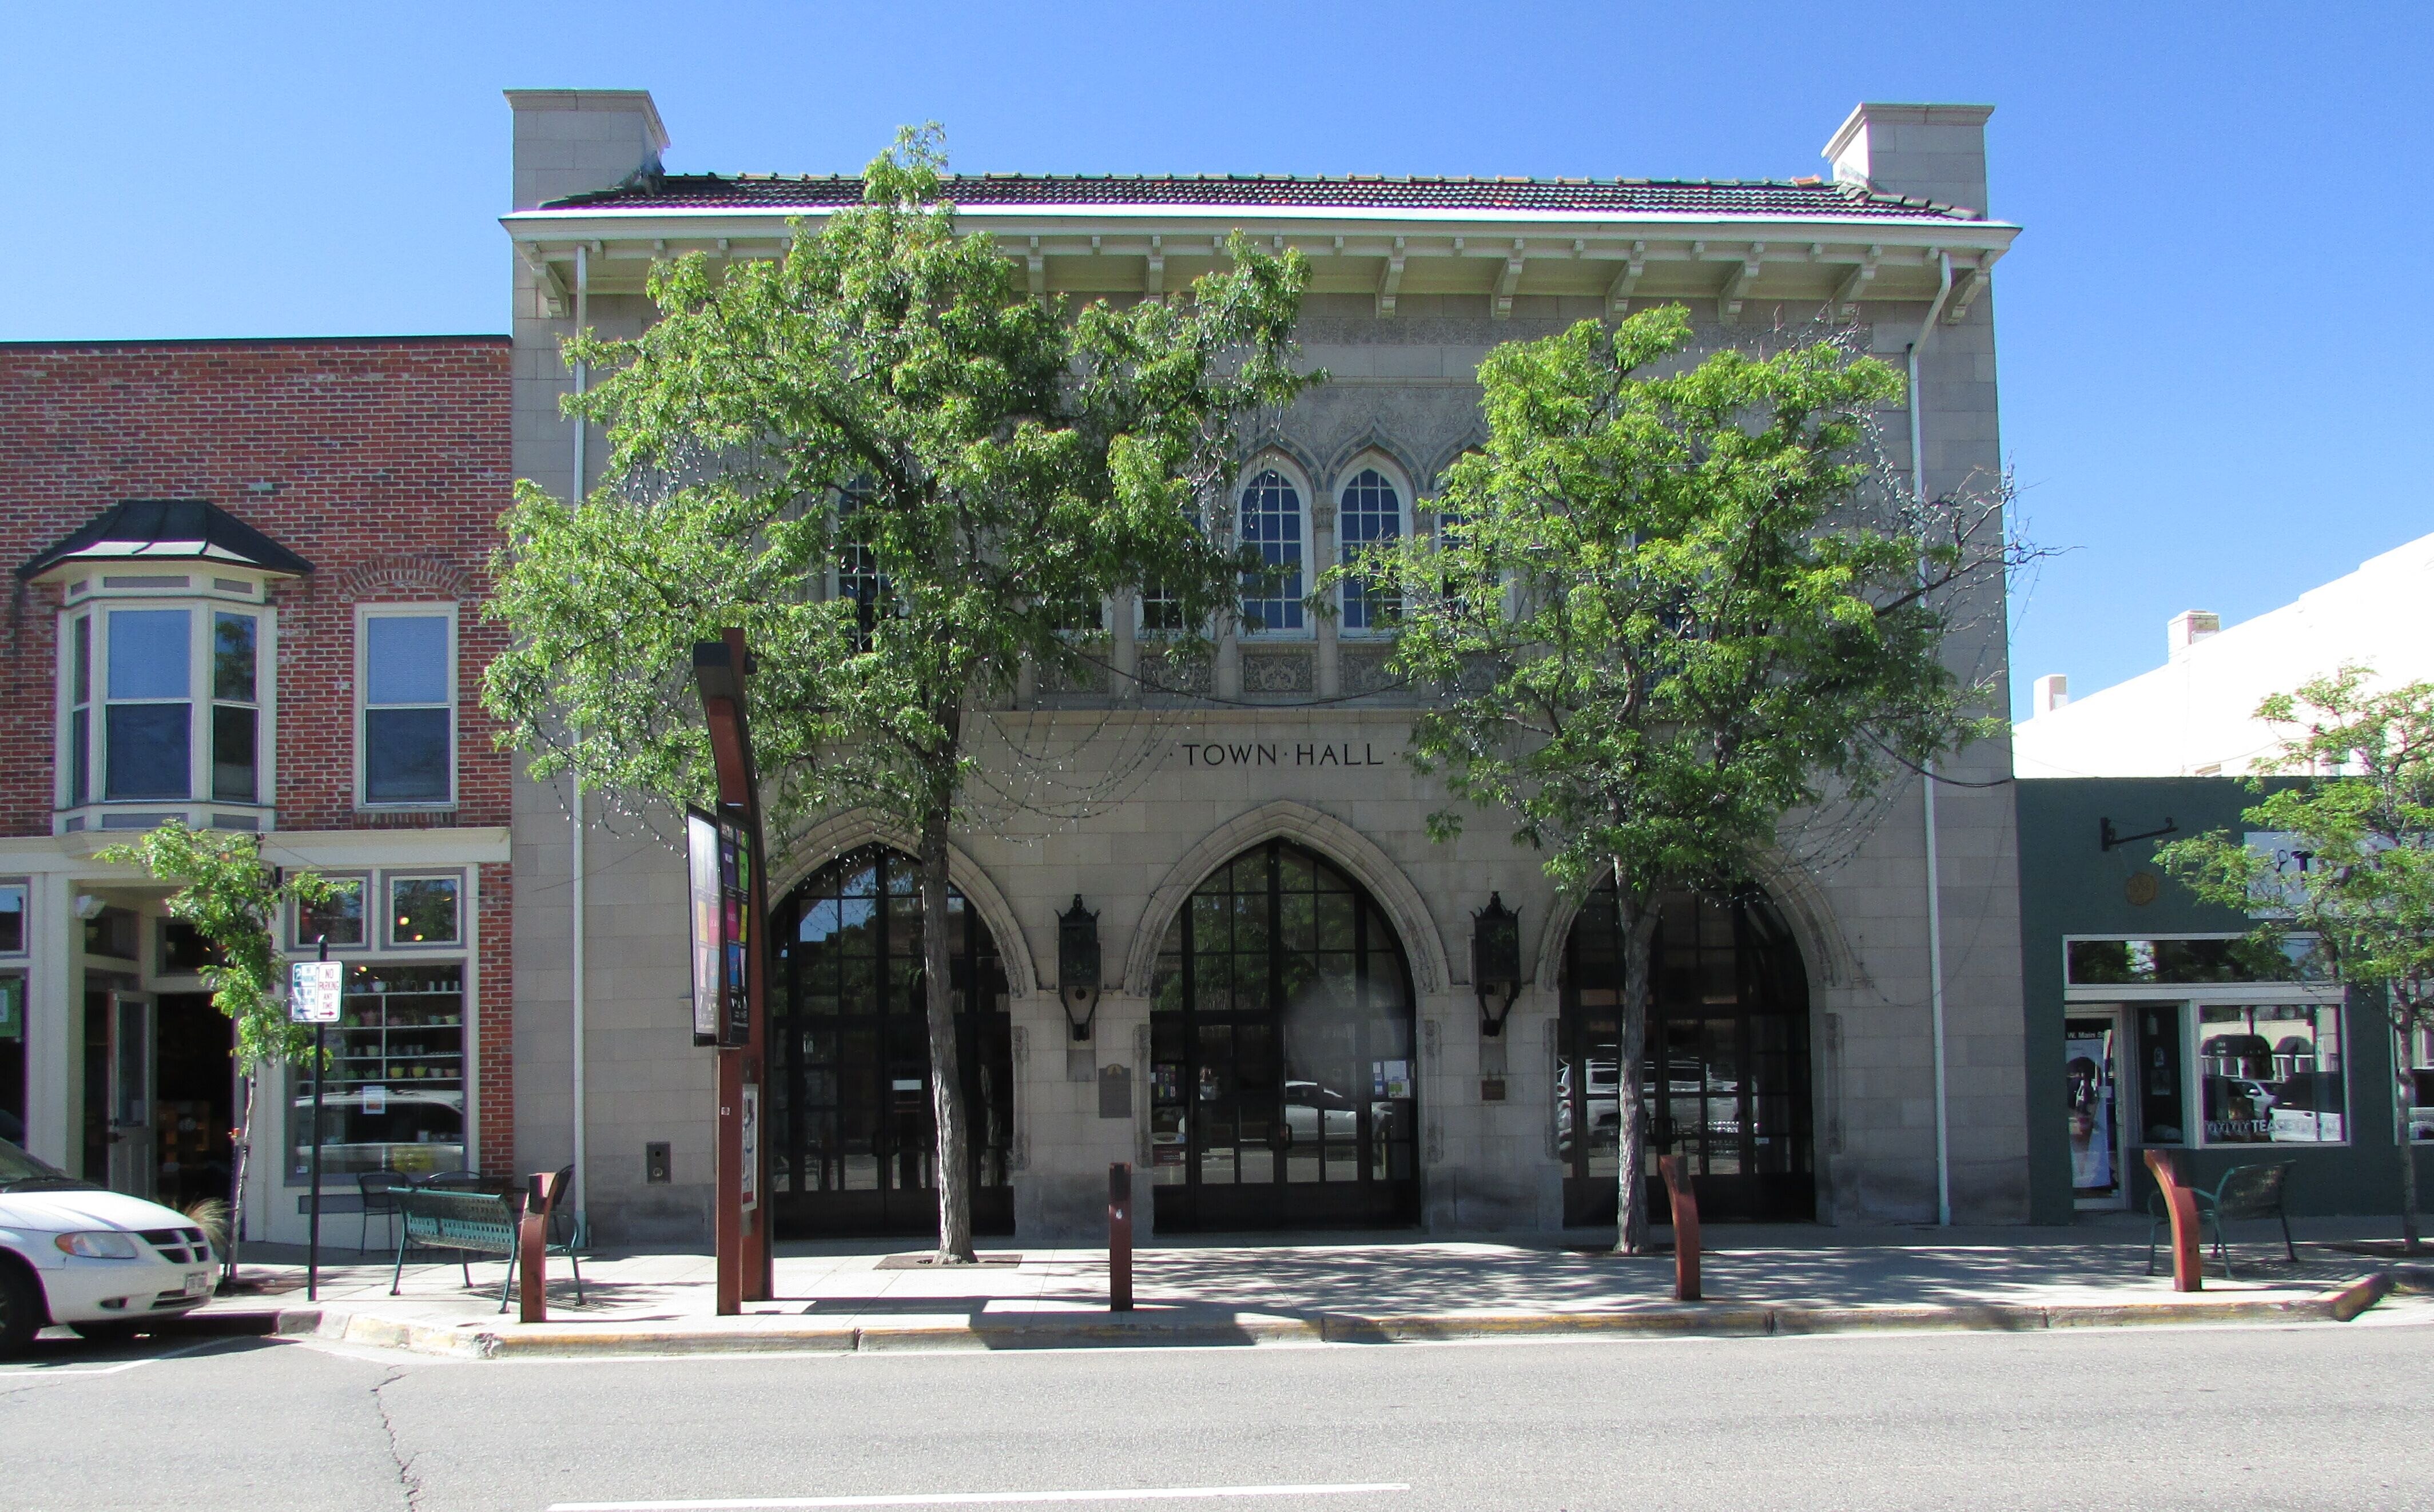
(1717, 197)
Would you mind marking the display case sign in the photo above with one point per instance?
(750, 1167)
(720, 861)
(313, 990)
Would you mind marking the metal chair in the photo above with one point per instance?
(379, 1190)
(2244, 1192)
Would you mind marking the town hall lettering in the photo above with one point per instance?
(1280, 753)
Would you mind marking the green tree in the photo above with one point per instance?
(1669, 611)
(906, 480)
(2363, 895)
(235, 902)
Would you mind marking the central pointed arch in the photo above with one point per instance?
(1284, 818)
(802, 854)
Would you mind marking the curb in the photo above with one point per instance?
(999, 1332)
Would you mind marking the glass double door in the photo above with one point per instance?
(1283, 1084)
(853, 1135)
(1726, 1092)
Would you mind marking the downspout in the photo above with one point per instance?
(1934, 880)
(582, 1226)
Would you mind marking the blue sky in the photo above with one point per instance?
(2212, 391)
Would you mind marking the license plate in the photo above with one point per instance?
(198, 1283)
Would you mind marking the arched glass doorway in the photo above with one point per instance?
(1283, 1084)
(853, 1141)
(1725, 1080)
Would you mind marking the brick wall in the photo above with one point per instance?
(495, 1051)
(392, 461)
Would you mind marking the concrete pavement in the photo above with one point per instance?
(862, 1296)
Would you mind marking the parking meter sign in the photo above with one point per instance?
(312, 991)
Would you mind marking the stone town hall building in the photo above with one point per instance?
(1288, 1033)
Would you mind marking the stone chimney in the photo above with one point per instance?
(575, 141)
(2052, 692)
(2188, 628)
(1920, 152)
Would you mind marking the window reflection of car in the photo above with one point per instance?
(414, 1132)
(1310, 1107)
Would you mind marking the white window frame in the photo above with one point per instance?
(23, 887)
(365, 880)
(450, 948)
(2188, 996)
(365, 614)
(202, 596)
(1405, 505)
(1299, 481)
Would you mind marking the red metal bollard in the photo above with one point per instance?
(1120, 1238)
(2181, 1202)
(532, 1249)
(1685, 1228)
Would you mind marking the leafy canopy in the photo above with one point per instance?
(887, 397)
(2366, 892)
(1669, 611)
(234, 902)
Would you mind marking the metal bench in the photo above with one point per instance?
(470, 1223)
(2244, 1192)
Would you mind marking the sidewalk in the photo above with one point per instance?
(851, 1295)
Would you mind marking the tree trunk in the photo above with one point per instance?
(2403, 1096)
(1637, 919)
(946, 1071)
(236, 1181)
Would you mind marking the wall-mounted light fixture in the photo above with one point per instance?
(1077, 966)
(1496, 962)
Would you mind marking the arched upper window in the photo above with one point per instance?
(1370, 514)
(1271, 520)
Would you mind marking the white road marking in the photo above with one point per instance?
(38, 1373)
(1167, 1494)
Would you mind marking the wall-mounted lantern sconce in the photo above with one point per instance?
(1496, 962)
(1077, 966)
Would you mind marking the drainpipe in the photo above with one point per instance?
(1934, 881)
(582, 1226)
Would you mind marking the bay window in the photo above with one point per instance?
(164, 699)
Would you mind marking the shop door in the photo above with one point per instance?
(132, 1156)
(2091, 1050)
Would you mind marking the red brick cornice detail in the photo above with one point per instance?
(379, 575)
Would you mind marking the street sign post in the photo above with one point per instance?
(314, 988)
(733, 1017)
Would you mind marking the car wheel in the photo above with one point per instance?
(21, 1310)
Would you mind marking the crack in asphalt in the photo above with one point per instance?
(409, 1482)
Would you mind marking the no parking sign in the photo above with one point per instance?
(312, 991)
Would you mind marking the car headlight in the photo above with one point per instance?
(103, 1244)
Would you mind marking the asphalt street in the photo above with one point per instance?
(2325, 1415)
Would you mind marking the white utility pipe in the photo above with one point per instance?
(1934, 880)
(574, 849)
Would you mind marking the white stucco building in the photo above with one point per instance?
(2196, 715)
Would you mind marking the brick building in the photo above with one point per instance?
(247, 594)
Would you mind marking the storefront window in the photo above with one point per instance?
(2229, 959)
(12, 1059)
(340, 921)
(2271, 1073)
(422, 911)
(396, 1094)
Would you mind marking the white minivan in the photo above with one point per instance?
(100, 1261)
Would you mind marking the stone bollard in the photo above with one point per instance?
(1120, 1238)
(1685, 1228)
(2181, 1202)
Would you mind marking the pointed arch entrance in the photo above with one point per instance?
(853, 1140)
(1724, 1077)
(1284, 1085)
